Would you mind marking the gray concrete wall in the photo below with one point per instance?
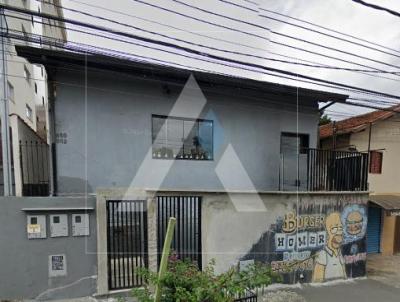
(24, 262)
(112, 138)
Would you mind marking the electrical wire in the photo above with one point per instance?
(377, 7)
(317, 64)
(219, 49)
(199, 53)
(331, 85)
(282, 34)
(316, 31)
(271, 41)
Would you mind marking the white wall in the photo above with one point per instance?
(385, 136)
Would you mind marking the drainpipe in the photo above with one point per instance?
(5, 132)
(369, 137)
(334, 135)
(52, 145)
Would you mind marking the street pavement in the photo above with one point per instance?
(355, 291)
(382, 285)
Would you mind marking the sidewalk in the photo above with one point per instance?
(385, 269)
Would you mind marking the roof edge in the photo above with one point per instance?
(55, 58)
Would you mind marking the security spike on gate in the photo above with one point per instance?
(165, 254)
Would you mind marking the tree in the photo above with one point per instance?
(324, 119)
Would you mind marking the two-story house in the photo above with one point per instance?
(232, 158)
(377, 133)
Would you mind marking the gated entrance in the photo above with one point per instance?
(187, 238)
(126, 242)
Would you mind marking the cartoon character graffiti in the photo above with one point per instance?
(329, 262)
(354, 217)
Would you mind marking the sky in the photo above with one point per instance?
(341, 15)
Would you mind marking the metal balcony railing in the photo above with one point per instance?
(324, 170)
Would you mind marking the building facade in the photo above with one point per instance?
(378, 133)
(27, 83)
(223, 155)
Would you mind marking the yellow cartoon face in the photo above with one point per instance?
(334, 228)
(354, 223)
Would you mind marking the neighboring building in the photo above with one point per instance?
(378, 133)
(27, 83)
(217, 152)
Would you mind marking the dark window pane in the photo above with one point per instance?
(182, 138)
(206, 139)
(191, 139)
(174, 136)
(293, 143)
(159, 135)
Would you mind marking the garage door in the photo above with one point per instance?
(374, 230)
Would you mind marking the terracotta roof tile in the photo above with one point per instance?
(356, 123)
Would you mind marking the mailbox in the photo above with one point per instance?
(36, 226)
(58, 225)
(80, 224)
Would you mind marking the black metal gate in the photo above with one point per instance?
(126, 242)
(34, 161)
(187, 238)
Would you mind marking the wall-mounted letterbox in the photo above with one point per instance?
(36, 226)
(80, 224)
(58, 225)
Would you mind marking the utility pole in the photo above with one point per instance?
(5, 133)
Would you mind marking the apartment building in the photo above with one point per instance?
(27, 83)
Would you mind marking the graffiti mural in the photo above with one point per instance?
(316, 243)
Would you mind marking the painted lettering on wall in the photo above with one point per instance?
(292, 222)
(317, 243)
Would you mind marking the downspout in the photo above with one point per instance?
(334, 135)
(369, 137)
(52, 143)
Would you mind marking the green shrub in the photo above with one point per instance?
(184, 282)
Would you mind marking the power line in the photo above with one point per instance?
(316, 31)
(284, 35)
(227, 41)
(94, 52)
(367, 73)
(218, 15)
(271, 41)
(40, 41)
(374, 6)
(192, 51)
(331, 30)
(220, 49)
(189, 50)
